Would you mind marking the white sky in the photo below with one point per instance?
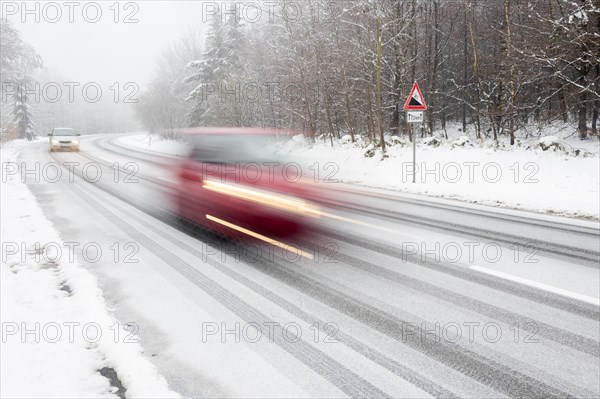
(105, 51)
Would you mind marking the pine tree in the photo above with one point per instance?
(17, 60)
(218, 76)
(22, 115)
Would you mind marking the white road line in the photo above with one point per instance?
(289, 248)
(535, 284)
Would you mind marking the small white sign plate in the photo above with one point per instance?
(414, 116)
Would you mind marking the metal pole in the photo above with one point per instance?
(414, 136)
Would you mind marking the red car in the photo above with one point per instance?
(231, 183)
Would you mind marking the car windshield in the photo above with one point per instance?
(64, 132)
(233, 148)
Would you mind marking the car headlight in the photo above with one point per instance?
(54, 142)
(75, 142)
(263, 197)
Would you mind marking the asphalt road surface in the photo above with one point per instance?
(401, 295)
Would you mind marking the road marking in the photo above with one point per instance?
(535, 284)
(289, 248)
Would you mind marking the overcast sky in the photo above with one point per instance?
(105, 51)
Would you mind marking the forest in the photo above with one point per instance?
(346, 67)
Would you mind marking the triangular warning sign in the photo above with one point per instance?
(415, 100)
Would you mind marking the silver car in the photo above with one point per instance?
(64, 138)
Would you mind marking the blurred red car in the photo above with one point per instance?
(231, 183)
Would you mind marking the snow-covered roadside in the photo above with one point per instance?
(57, 332)
(525, 177)
(153, 143)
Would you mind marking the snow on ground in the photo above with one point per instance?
(56, 329)
(563, 180)
(522, 178)
(154, 144)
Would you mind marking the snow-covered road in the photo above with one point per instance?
(406, 296)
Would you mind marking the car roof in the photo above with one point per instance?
(201, 131)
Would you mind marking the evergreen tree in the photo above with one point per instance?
(22, 115)
(17, 60)
(217, 95)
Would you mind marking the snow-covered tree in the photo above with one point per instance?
(22, 115)
(567, 47)
(336, 68)
(218, 75)
(162, 107)
(17, 60)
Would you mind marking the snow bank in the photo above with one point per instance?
(547, 142)
(431, 141)
(56, 329)
(525, 177)
(154, 144)
(461, 142)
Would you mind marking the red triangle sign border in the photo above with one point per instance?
(421, 107)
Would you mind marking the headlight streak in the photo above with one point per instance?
(289, 248)
(283, 202)
(279, 201)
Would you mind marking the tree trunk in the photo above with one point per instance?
(350, 121)
(596, 103)
(475, 73)
(511, 69)
(328, 114)
(465, 76)
(398, 71)
(582, 113)
(413, 29)
(582, 103)
(435, 50)
(562, 104)
(594, 131)
(378, 87)
(370, 117)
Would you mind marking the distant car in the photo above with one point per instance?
(232, 184)
(64, 138)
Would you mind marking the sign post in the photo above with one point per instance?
(414, 107)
